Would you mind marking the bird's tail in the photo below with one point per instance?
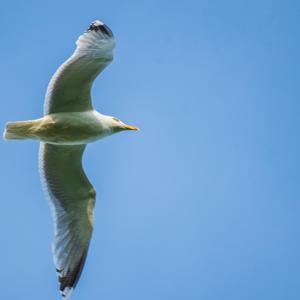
(20, 130)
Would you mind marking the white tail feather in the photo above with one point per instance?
(18, 130)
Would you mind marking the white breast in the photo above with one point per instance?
(74, 128)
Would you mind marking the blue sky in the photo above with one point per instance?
(204, 201)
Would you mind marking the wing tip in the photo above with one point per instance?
(69, 281)
(65, 294)
(100, 26)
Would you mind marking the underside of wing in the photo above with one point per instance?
(72, 200)
(69, 88)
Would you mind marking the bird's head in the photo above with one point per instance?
(117, 125)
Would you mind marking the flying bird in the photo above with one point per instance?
(69, 123)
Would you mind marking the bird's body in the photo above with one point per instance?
(65, 128)
(69, 123)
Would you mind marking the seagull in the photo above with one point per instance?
(69, 123)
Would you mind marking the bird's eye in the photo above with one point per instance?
(116, 119)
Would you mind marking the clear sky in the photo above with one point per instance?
(204, 201)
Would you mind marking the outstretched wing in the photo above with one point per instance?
(69, 88)
(72, 200)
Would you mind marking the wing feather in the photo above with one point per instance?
(69, 88)
(72, 199)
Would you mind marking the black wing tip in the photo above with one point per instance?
(69, 281)
(100, 26)
(65, 295)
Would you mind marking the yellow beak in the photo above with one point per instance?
(129, 127)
